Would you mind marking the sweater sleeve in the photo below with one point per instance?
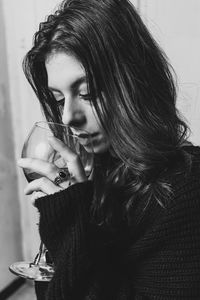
(58, 211)
(72, 240)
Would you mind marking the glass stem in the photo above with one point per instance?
(41, 254)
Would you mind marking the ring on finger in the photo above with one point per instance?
(61, 175)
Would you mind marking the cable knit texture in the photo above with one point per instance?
(156, 256)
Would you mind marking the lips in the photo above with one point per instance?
(86, 136)
(83, 135)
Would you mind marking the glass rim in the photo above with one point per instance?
(62, 125)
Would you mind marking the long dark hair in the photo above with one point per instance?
(134, 83)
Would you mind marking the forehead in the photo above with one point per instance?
(63, 67)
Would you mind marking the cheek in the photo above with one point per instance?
(93, 117)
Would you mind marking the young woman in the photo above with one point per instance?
(133, 230)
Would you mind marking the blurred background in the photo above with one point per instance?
(176, 26)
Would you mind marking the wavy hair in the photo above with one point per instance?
(134, 83)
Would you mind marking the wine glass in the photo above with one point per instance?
(37, 146)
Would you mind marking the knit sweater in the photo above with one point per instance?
(155, 256)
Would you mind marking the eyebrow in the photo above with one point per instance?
(75, 85)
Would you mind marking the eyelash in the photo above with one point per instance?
(86, 97)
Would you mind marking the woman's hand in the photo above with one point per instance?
(46, 185)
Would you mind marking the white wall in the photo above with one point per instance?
(176, 25)
(10, 230)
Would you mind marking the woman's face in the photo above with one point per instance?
(67, 81)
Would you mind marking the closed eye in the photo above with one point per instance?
(86, 97)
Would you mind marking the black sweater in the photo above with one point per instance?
(156, 256)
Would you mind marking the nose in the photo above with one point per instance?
(73, 114)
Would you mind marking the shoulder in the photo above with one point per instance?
(179, 220)
(189, 170)
(185, 183)
(193, 154)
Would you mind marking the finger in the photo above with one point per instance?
(43, 185)
(65, 151)
(39, 166)
(43, 168)
(72, 159)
